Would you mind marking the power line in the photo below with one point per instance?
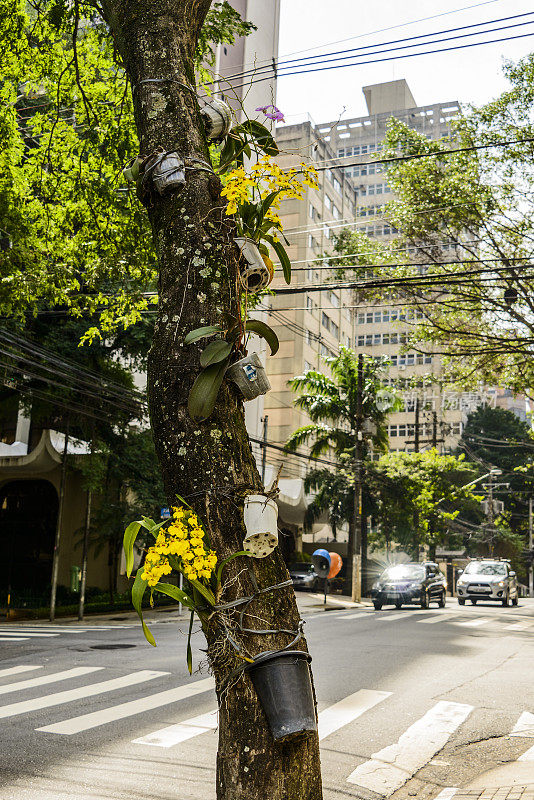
(324, 58)
(377, 60)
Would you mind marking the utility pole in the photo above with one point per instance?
(530, 566)
(416, 432)
(264, 448)
(55, 559)
(490, 512)
(356, 553)
(85, 546)
(434, 430)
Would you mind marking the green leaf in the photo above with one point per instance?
(204, 591)
(199, 333)
(216, 351)
(267, 203)
(189, 651)
(280, 251)
(138, 591)
(203, 394)
(261, 135)
(177, 594)
(263, 330)
(130, 535)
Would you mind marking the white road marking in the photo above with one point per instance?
(350, 708)
(390, 617)
(42, 680)
(69, 695)
(519, 626)
(474, 623)
(181, 732)
(390, 768)
(13, 639)
(4, 673)
(528, 756)
(436, 618)
(447, 793)
(129, 709)
(357, 615)
(6, 635)
(524, 726)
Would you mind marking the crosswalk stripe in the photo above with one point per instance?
(42, 680)
(528, 756)
(129, 709)
(436, 618)
(13, 639)
(524, 726)
(56, 699)
(4, 673)
(447, 793)
(357, 615)
(350, 708)
(390, 768)
(519, 626)
(6, 636)
(391, 617)
(473, 623)
(181, 732)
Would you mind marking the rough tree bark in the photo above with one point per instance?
(209, 464)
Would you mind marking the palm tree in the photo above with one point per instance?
(338, 409)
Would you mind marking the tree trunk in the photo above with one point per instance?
(209, 464)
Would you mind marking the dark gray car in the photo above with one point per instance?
(304, 576)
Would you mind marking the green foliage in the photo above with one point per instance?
(419, 496)
(223, 25)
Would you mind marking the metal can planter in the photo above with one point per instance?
(249, 375)
(217, 118)
(283, 684)
(261, 522)
(255, 273)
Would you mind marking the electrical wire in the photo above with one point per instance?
(279, 66)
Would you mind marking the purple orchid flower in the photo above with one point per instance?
(272, 112)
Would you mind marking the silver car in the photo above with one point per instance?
(487, 579)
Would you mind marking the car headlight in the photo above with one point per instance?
(462, 581)
(414, 585)
(500, 583)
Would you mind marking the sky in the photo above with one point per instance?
(472, 75)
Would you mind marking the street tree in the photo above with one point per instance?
(150, 51)
(466, 218)
(338, 405)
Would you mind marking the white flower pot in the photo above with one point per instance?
(254, 274)
(217, 118)
(261, 518)
(249, 375)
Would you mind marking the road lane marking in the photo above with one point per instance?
(56, 699)
(358, 615)
(129, 709)
(390, 617)
(181, 732)
(350, 708)
(13, 639)
(519, 626)
(436, 618)
(390, 768)
(4, 673)
(447, 793)
(7, 635)
(474, 623)
(528, 756)
(524, 726)
(42, 680)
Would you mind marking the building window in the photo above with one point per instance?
(361, 341)
(309, 338)
(307, 366)
(325, 320)
(309, 303)
(393, 431)
(336, 212)
(336, 184)
(334, 329)
(334, 299)
(328, 202)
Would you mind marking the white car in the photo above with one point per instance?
(487, 579)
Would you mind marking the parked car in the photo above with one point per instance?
(411, 583)
(487, 579)
(304, 576)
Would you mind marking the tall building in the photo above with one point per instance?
(354, 196)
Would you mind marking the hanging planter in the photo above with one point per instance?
(217, 118)
(261, 518)
(283, 685)
(256, 273)
(249, 375)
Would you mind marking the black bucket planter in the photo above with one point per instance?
(283, 684)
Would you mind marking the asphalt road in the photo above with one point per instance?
(411, 704)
